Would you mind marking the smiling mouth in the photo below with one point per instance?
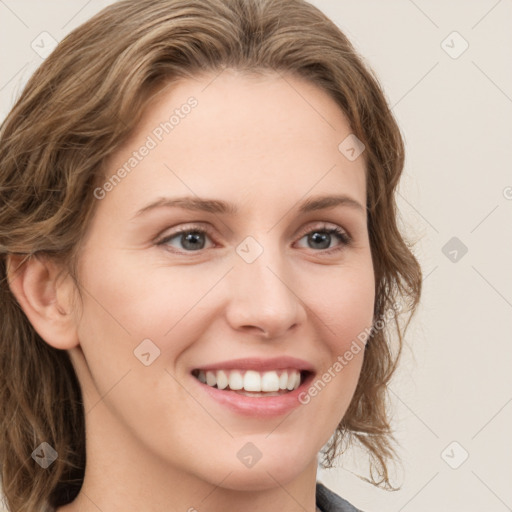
(251, 382)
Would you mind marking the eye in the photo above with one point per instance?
(321, 238)
(190, 238)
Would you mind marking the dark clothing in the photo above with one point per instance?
(328, 501)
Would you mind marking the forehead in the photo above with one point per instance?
(238, 135)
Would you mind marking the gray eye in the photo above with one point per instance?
(322, 240)
(193, 240)
(187, 240)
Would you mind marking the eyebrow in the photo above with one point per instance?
(222, 207)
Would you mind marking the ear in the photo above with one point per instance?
(45, 296)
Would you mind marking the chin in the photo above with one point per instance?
(258, 479)
(276, 467)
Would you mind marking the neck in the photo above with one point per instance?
(122, 474)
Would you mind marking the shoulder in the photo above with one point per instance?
(328, 501)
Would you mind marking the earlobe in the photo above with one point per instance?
(45, 298)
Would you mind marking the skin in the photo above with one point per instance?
(154, 441)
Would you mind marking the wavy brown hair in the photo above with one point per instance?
(78, 108)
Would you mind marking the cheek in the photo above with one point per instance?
(126, 304)
(345, 310)
(346, 304)
(139, 300)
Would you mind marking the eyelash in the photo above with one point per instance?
(342, 236)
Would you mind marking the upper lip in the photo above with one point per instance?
(260, 364)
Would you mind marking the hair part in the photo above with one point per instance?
(81, 104)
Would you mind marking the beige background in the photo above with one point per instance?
(455, 112)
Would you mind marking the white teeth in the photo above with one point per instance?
(236, 380)
(283, 380)
(251, 380)
(222, 379)
(293, 382)
(270, 382)
(211, 379)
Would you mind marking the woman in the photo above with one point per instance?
(172, 338)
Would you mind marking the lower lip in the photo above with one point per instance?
(261, 407)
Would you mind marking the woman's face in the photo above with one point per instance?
(266, 282)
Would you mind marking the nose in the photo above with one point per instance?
(262, 298)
